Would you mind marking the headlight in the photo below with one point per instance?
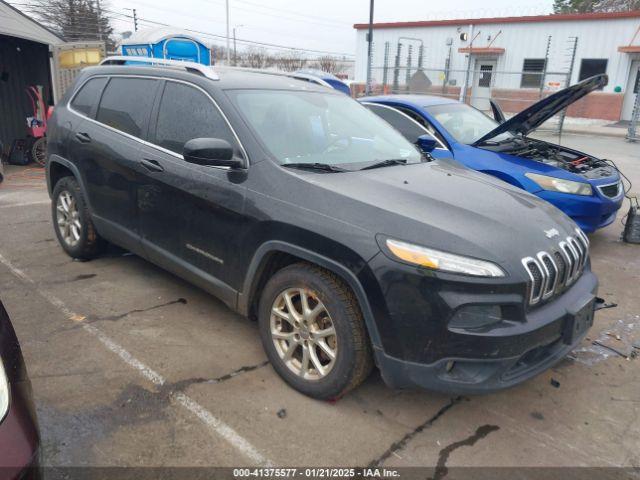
(443, 261)
(560, 185)
(4, 392)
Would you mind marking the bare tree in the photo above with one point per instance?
(327, 63)
(291, 61)
(255, 57)
(76, 20)
(587, 6)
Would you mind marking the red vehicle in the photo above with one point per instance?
(37, 125)
(19, 436)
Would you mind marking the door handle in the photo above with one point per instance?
(151, 165)
(83, 137)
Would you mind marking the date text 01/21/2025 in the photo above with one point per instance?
(315, 472)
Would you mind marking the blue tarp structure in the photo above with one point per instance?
(167, 43)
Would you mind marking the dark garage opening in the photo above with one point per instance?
(22, 63)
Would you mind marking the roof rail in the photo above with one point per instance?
(193, 67)
(297, 75)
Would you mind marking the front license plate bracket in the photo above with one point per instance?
(578, 321)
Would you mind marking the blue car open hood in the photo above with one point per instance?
(531, 118)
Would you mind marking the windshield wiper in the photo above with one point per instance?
(325, 167)
(386, 163)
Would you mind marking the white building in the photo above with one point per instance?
(496, 51)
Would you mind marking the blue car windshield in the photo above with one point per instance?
(466, 124)
(317, 127)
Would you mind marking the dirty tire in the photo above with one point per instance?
(353, 360)
(90, 244)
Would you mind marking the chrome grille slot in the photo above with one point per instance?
(563, 268)
(575, 258)
(579, 248)
(537, 280)
(551, 272)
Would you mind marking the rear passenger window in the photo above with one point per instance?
(186, 113)
(87, 96)
(126, 104)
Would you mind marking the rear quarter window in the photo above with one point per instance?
(126, 104)
(88, 95)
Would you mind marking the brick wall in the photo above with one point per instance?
(596, 105)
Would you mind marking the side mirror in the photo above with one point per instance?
(426, 143)
(211, 151)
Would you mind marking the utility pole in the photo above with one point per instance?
(369, 49)
(135, 18)
(99, 20)
(463, 90)
(228, 49)
(235, 51)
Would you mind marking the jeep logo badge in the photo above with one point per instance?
(552, 232)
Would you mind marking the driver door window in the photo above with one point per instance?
(186, 113)
(425, 123)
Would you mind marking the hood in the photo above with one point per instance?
(442, 205)
(538, 113)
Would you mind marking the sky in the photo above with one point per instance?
(323, 26)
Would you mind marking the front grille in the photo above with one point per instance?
(552, 272)
(612, 190)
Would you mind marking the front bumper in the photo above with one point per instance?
(419, 349)
(589, 212)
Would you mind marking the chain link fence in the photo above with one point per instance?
(632, 133)
(481, 82)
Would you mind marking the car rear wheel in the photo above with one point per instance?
(313, 331)
(72, 222)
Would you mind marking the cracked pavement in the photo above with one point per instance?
(95, 410)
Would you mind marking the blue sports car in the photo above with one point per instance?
(586, 188)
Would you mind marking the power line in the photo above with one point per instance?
(113, 15)
(245, 41)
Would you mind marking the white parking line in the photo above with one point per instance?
(213, 423)
(26, 204)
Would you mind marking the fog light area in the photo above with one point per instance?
(476, 316)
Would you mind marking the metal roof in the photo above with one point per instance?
(156, 35)
(559, 17)
(16, 24)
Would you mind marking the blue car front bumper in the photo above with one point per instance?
(589, 212)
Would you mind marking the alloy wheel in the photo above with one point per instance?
(303, 333)
(68, 218)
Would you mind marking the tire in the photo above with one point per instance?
(326, 377)
(80, 240)
(39, 151)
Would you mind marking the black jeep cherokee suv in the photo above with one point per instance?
(297, 206)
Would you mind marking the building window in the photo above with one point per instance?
(529, 79)
(592, 66)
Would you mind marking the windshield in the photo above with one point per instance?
(318, 127)
(465, 123)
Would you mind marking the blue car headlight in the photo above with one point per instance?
(561, 185)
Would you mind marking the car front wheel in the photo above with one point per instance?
(313, 331)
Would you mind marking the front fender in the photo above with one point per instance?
(351, 278)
